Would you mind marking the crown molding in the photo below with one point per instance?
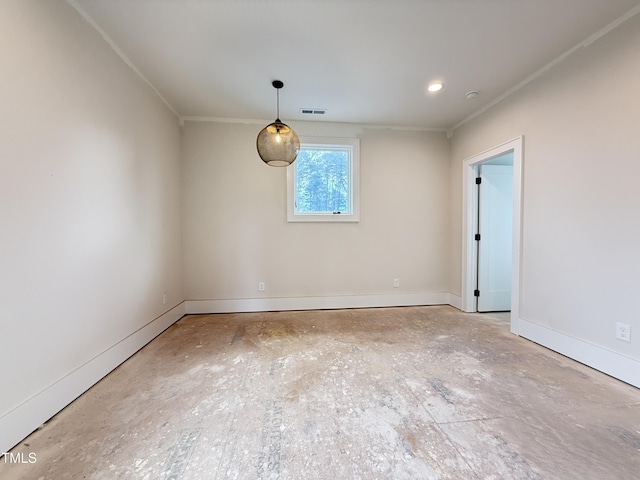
(585, 43)
(120, 53)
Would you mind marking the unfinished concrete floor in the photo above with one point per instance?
(392, 393)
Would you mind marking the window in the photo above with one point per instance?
(323, 182)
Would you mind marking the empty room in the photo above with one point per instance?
(320, 239)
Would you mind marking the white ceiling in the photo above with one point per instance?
(365, 61)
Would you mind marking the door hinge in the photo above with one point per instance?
(476, 293)
(478, 180)
(477, 237)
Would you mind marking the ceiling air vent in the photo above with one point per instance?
(313, 111)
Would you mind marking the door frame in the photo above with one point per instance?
(470, 226)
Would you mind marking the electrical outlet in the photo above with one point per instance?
(261, 286)
(164, 298)
(623, 332)
(396, 283)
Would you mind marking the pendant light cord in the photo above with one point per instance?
(278, 103)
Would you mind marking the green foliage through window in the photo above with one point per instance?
(323, 183)
(323, 180)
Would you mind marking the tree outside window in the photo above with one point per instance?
(323, 181)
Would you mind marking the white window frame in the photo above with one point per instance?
(353, 146)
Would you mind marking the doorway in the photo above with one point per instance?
(493, 265)
(494, 185)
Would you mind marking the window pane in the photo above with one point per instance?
(322, 183)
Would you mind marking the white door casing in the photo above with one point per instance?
(470, 223)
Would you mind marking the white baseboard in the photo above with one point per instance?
(24, 419)
(455, 301)
(27, 417)
(618, 366)
(314, 303)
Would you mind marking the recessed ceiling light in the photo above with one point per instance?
(435, 86)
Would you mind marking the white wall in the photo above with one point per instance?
(91, 230)
(236, 233)
(581, 220)
(90, 211)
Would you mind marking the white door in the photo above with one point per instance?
(495, 203)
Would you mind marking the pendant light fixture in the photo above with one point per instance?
(277, 143)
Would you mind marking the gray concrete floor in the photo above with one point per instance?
(392, 393)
